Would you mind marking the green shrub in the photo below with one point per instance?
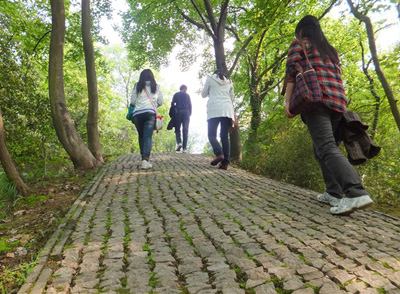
(8, 190)
(284, 152)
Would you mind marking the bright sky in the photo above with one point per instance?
(173, 76)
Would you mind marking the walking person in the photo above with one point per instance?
(220, 112)
(341, 179)
(146, 97)
(182, 105)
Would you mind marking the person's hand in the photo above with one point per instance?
(288, 113)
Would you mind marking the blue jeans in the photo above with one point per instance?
(212, 137)
(339, 175)
(144, 123)
(182, 119)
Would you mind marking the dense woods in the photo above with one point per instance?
(64, 90)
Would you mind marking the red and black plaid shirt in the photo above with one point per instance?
(328, 74)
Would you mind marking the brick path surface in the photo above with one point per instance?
(187, 227)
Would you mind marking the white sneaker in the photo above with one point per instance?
(146, 164)
(328, 198)
(185, 151)
(178, 147)
(349, 205)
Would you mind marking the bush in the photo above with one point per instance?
(284, 152)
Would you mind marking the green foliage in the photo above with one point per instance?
(11, 279)
(6, 246)
(7, 188)
(284, 152)
(34, 200)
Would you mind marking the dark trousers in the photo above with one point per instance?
(339, 175)
(144, 123)
(225, 123)
(182, 119)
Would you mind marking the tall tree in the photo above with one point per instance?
(372, 47)
(8, 164)
(92, 119)
(215, 27)
(80, 155)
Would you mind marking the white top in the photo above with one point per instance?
(220, 93)
(142, 102)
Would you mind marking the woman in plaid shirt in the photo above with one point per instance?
(322, 120)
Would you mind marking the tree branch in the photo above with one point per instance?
(211, 16)
(238, 54)
(210, 32)
(222, 18)
(277, 61)
(189, 19)
(38, 42)
(328, 9)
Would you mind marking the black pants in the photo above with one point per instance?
(339, 175)
(225, 123)
(182, 119)
(144, 123)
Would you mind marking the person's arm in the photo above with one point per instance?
(160, 98)
(206, 89)
(289, 91)
(134, 95)
(173, 100)
(231, 94)
(190, 105)
(293, 57)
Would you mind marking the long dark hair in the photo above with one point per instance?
(146, 75)
(220, 74)
(309, 27)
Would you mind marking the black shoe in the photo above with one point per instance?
(217, 159)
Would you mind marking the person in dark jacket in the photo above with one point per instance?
(183, 110)
(323, 120)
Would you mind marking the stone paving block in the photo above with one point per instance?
(369, 291)
(330, 287)
(294, 283)
(304, 291)
(340, 276)
(257, 274)
(281, 272)
(267, 288)
(42, 281)
(254, 283)
(356, 286)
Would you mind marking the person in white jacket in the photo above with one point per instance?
(220, 111)
(146, 97)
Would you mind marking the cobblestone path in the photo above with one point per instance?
(188, 227)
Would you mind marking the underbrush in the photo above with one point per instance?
(29, 222)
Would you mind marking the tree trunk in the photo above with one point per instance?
(236, 145)
(220, 59)
(8, 164)
(373, 93)
(255, 104)
(372, 47)
(80, 155)
(92, 120)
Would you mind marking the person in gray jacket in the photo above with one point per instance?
(146, 97)
(220, 111)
